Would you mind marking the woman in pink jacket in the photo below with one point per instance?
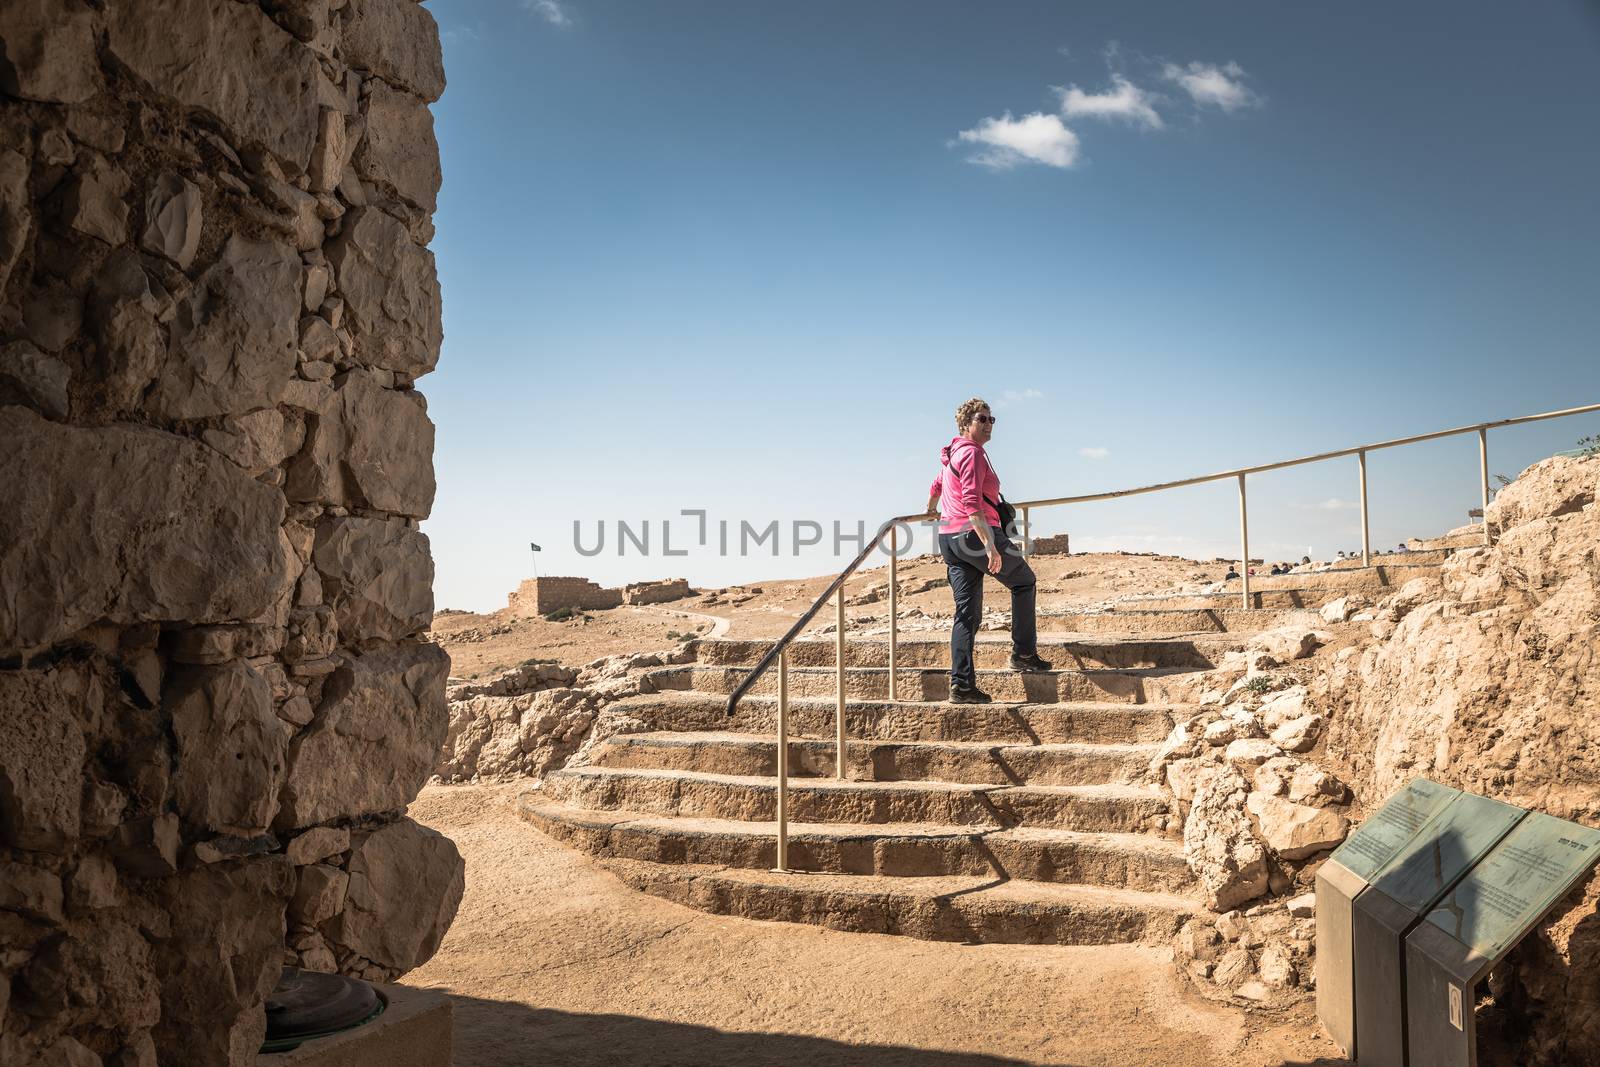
(972, 542)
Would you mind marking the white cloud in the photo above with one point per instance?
(1124, 100)
(460, 35)
(549, 10)
(1094, 452)
(1017, 396)
(1035, 138)
(1333, 503)
(1209, 84)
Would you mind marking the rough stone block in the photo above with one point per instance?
(234, 343)
(144, 526)
(228, 60)
(399, 151)
(391, 293)
(232, 748)
(379, 575)
(375, 739)
(42, 755)
(28, 376)
(49, 50)
(372, 447)
(406, 882)
(398, 41)
(319, 895)
(172, 214)
(222, 959)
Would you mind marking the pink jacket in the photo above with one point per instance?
(962, 483)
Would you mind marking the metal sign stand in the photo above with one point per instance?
(1489, 912)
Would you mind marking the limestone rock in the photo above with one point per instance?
(1339, 610)
(1220, 732)
(373, 448)
(16, 215)
(231, 748)
(49, 50)
(1229, 863)
(406, 882)
(222, 958)
(1286, 643)
(399, 42)
(228, 60)
(103, 132)
(1284, 706)
(258, 441)
(375, 738)
(319, 896)
(31, 891)
(127, 559)
(391, 293)
(172, 214)
(93, 206)
(1276, 967)
(1303, 906)
(148, 847)
(332, 152)
(1298, 735)
(1556, 486)
(234, 341)
(318, 843)
(1249, 752)
(28, 376)
(1183, 776)
(1295, 831)
(379, 576)
(42, 752)
(318, 278)
(399, 151)
(318, 342)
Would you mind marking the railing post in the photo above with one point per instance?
(1483, 477)
(1244, 544)
(1366, 536)
(838, 721)
(894, 606)
(783, 760)
(1027, 546)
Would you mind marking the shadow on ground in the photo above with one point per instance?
(494, 1033)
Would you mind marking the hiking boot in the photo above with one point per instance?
(968, 694)
(1028, 663)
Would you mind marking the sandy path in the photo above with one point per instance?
(552, 961)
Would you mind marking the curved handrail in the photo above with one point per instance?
(1239, 473)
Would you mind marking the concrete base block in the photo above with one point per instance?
(415, 1030)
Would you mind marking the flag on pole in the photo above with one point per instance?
(535, 547)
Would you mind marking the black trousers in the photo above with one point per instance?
(968, 563)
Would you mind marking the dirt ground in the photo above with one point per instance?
(481, 645)
(553, 961)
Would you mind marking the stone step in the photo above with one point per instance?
(971, 762)
(991, 654)
(1112, 808)
(972, 910)
(1137, 623)
(922, 684)
(1135, 861)
(1084, 723)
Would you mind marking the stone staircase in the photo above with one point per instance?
(1026, 820)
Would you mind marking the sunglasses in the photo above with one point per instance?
(986, 418)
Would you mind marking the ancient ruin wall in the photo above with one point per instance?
(540, 596)
(215, 300)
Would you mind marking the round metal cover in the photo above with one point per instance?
(308, 1004)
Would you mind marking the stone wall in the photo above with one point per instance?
(215, 299)
(1056, 545)
(540, 596)
(656, 592)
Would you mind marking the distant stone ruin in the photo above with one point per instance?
(1057, 545)
(216, 297)
(541, 596)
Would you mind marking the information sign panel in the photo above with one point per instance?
(1482, 919)
(1343, 877)
(1404, 889)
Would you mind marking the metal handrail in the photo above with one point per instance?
(779, 650)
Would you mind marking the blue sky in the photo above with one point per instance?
(748, 258)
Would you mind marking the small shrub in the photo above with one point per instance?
(559, 615)
(1259, 684)
(1590, 446)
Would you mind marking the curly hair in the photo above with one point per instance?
(967, 410)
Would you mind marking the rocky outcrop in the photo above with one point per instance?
(1492, 684)
(215, 300)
